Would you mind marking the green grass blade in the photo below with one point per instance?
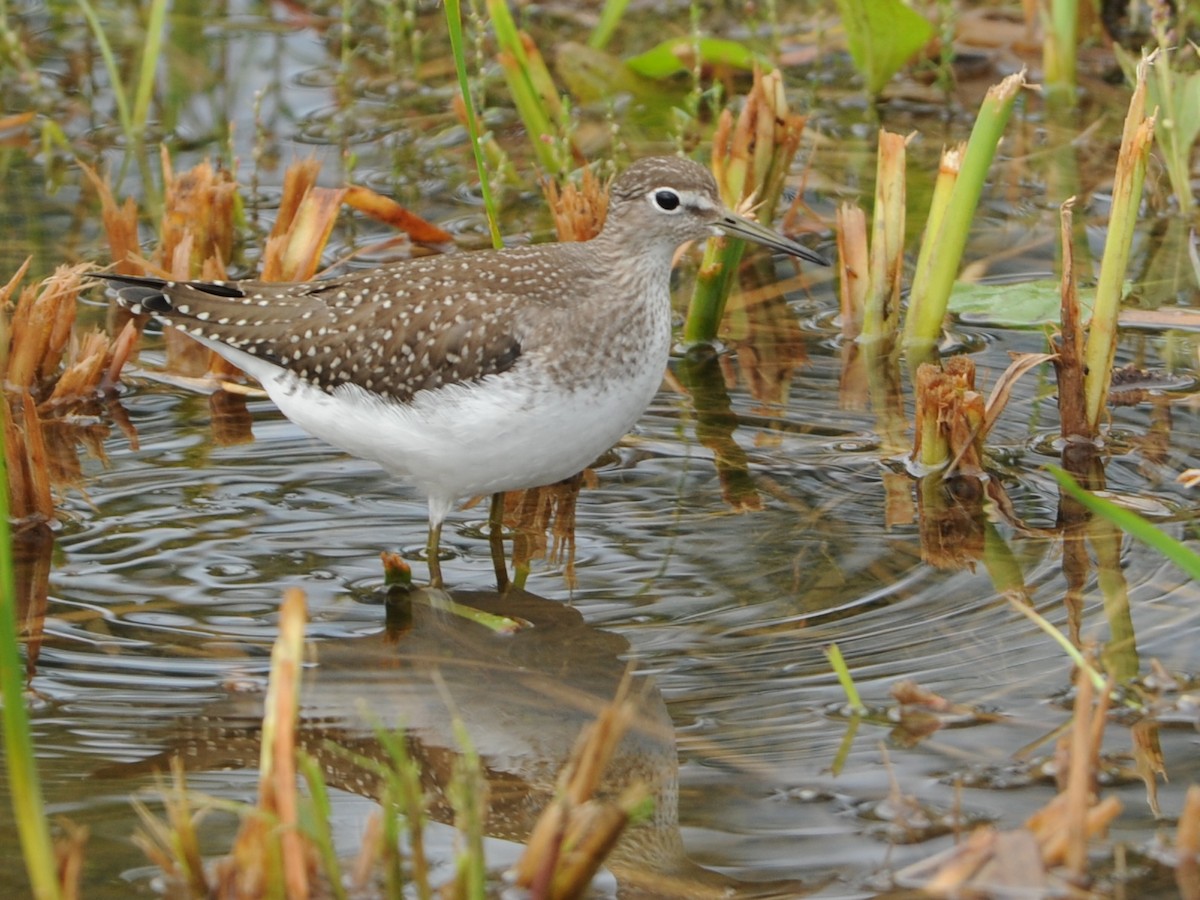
(454, 27)
(834, 654)
(110, 65)
(610, 18)
(1130, 522)
(28, 808)
(151, 53)
(319, 825)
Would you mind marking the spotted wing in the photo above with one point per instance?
(394, 331)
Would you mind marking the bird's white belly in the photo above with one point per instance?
(499, 434)
(502, 433)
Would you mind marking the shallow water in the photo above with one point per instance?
(169, 566)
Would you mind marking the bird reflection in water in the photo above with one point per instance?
(523, 698)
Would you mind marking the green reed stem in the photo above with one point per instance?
(1059, 49)
(454, 27)
(28, 809)
(941, 250)
(133, 120)
(714, 281)
(403, 777)
(1080, 661)
(110, 65)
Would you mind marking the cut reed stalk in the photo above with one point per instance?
(1136, 138)
(925, 319)
(576, 831)
(881, 313)
(1068, 362)
(854, 267)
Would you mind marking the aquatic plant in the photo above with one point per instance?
(1130, 522)
(455, 34)
(541, 108)
(1174, 91)
(285, 845)
(133, 107)
(882, 35)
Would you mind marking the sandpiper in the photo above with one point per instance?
(472, 373)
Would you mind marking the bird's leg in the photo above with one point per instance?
(496, 540)
(433, 555)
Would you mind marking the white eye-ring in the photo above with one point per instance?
(666, 199)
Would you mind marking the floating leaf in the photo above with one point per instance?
(882, 36)
(678, 55)
(1025, 304)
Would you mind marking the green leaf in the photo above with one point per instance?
(882, 36)
(677, 55)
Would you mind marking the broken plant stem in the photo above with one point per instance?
(882, 313)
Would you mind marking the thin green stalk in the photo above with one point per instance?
(110, 65)
(1128, 521)
(133, 121)
(28, 808)
(454, 27)
(319, 830)
(468, 796)
(392, 810)
(151, 53)
(1061, 639)
(925, 319)
(845, 679)
(404, 776)
(942, 251)
(610, 18)
(1136, 138)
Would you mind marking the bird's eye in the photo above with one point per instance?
(666, 199)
